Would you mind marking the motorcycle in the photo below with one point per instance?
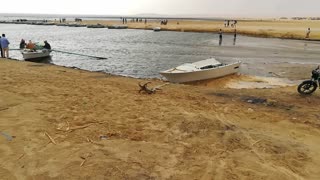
(309, 86)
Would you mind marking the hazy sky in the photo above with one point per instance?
(246, 8)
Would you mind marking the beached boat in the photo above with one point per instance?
(76, 25)
(62, 24)
(118, 27)
(29, 54)
(201, 70)
(157, 29)
(96, 26)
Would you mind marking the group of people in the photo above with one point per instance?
(32, 46)
(232, 23)
(4, 46)
(164, 22)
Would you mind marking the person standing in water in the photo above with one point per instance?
(308, 33)
(220, 37)
(235, 37)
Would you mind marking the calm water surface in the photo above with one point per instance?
(143, 53)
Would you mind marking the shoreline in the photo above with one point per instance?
(290, 29)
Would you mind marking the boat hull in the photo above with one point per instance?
(183, 77)
(157, 29)
(117, 27)
(35, 55)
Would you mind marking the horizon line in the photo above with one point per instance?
(155, 15)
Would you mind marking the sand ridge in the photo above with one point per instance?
(275, 28)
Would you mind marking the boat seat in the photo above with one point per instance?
(187, 67)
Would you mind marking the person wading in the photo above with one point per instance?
(308, 33)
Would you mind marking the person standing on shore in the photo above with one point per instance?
(308, 33)
(1, 48)
(5, 46)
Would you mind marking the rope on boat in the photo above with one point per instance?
(97, 57)
(78, 54)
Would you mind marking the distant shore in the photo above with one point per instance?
(284, 29)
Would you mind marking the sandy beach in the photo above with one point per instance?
(286, 29)
(63, 123)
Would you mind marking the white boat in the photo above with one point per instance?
(30, 54)
(157, 29)
(201, 70)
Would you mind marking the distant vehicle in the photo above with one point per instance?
(201, 70)
(309, 86)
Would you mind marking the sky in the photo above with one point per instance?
(213, 8)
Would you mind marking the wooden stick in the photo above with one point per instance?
(89, 140)
(68, 126)
(21, 156)
(84, 126)
(85, 158)
(51, 139)
(256, 142)
(2, 109)
(83, 162)
(158, 87)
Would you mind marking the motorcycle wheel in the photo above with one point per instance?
(306, 88)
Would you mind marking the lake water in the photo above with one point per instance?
(143, 53)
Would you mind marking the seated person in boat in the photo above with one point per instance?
(46, 45)
(22, 44)
(31, 46)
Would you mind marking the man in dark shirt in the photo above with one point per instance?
(47, 45)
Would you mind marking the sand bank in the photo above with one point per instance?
(287, 29)
(103, 128)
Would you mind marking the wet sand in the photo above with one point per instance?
(287, 29)
(74, 124)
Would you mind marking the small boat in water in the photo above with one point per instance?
(35, 54)
(201, 70)
(96, 26)
(157, 29)
(118, 27)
